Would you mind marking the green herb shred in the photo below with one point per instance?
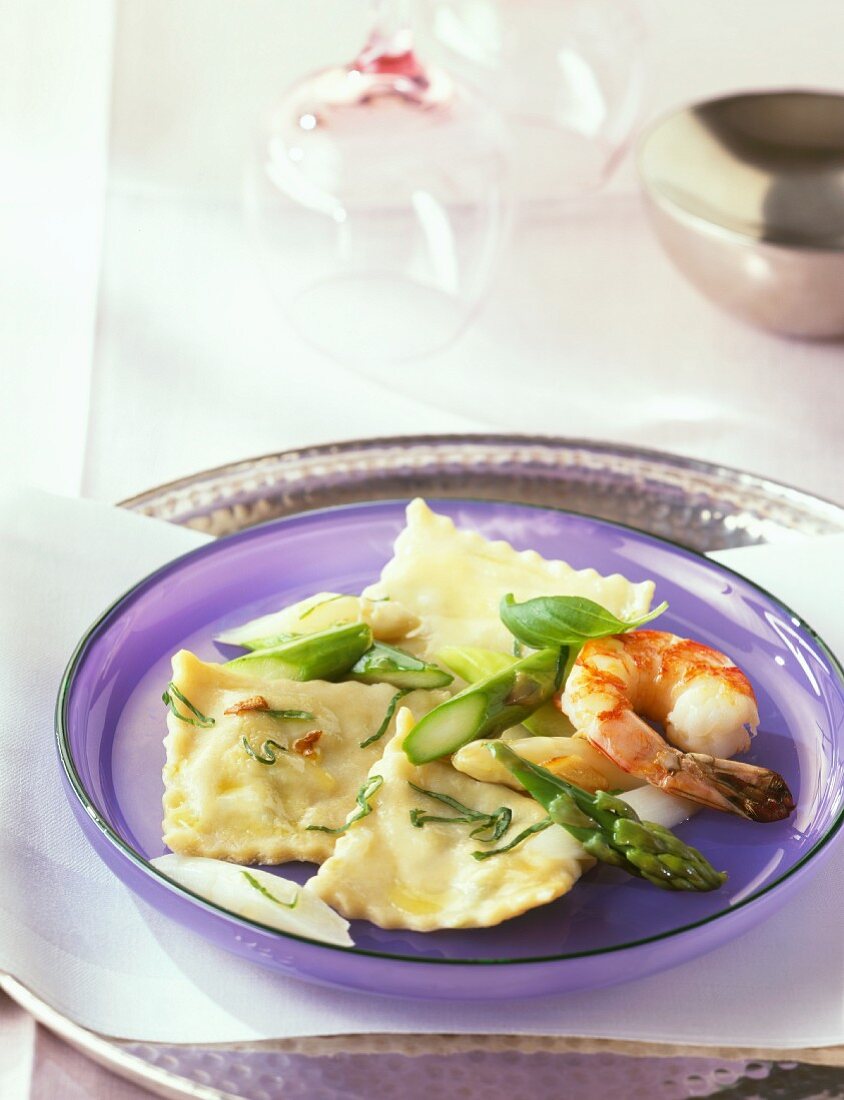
(199, 719)
(523, 835)
(321, 603)
(391, 710)
(267, 753)
(253, 882)
(287, 715)
(362, 798)
(497, 823)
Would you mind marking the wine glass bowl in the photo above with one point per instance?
(376, 198)
(568, 77)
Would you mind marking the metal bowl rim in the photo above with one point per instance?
(705, 225)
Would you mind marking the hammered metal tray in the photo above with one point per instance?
(697, 504)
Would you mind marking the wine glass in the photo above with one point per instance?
(568, 75)
(377, 200)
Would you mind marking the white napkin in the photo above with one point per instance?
(74, 935)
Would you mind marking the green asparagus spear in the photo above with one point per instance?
(472, 663)
(487, 708)
(611, 831)
(271, 630)
(384, 664)
(323, 656)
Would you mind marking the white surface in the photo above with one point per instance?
(55, 78)
(587, 331)
(116, 966)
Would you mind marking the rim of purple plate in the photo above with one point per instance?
(128, 852)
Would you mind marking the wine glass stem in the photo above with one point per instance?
(391, 25)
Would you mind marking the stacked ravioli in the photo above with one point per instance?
(226, 799)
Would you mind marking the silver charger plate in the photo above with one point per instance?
(697, 504)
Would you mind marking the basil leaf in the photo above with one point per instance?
(549, 621)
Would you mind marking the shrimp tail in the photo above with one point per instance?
(758, 794)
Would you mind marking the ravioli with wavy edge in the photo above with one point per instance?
(386, 870)
(222, 803)
(453, 580)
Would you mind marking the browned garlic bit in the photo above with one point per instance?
(306, 744)
(254, 702)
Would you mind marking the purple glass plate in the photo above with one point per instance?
(611, 927)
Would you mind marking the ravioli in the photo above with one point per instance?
(453, 580)
(386, 870)
(222, 803)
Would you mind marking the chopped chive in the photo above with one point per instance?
(362, 798)
(253, 882)
(523, 835)
(201, 720)
(267, 749)
(391, 710)
(498, 822)
(321, 603)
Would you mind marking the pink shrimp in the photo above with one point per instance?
(707, 708)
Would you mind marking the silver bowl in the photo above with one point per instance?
(746, 194)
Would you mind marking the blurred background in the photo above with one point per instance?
(141, 341)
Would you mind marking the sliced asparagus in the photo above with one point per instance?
(323, 656)
(611, 831)
(487, 708)
(471, 663)
(384, 664)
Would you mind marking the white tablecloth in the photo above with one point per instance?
(137, 342)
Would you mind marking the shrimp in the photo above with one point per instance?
(707, 708)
